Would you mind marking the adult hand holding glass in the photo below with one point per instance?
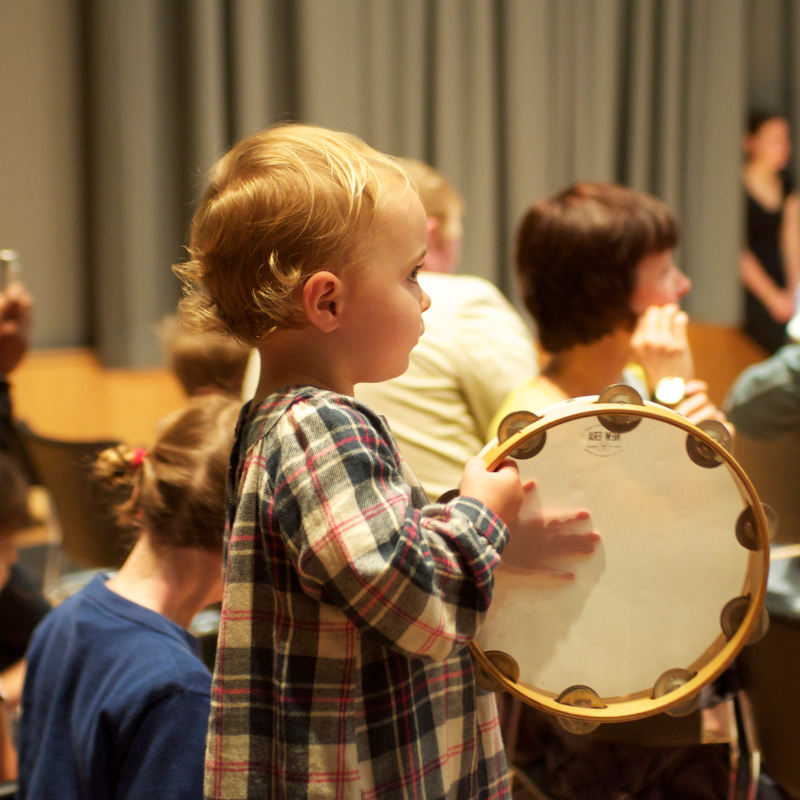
(15, 325)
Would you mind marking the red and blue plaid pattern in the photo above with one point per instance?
(341, 669)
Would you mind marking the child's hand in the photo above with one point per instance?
(542, 536)
(500, 490)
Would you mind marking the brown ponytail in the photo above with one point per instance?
(177, 487)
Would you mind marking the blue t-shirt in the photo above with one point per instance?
(115, 704)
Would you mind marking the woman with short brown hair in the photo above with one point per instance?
(596, 267)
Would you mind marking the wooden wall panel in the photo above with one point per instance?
(67, 394)
(720, 354)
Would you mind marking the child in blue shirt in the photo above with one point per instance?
(116, 699)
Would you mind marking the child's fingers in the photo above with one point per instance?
(500, 489)
(555, 517)
(507, 464)
(475, 471)
(553, 576)
(574, 544)
(475, 465)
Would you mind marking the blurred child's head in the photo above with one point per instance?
(177, 487)
(281, 205)
(203, 362)
(14, 513)
(768, 140)
(591, 258)
(445, 208)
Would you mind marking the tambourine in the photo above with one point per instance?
(675, 586)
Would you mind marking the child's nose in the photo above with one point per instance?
(424, 301)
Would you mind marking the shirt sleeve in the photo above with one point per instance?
(420, 579)
(496, 353)
(165, 758)
(765, 399)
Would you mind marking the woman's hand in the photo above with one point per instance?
(696, 406)
(779, 302)
(660, 344)
(781, 306)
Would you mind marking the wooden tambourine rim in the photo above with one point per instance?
(637, 706)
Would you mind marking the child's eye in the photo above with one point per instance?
(415, 274)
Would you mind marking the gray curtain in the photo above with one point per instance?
(773, 57)
(511, 99)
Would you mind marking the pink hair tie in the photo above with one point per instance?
(138, 456)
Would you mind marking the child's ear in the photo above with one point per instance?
(322, 297)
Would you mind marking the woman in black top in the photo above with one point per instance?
(770, 264)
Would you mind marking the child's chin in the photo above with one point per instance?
(393, 371)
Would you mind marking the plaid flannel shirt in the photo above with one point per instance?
(342, 670)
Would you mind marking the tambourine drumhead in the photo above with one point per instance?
(650, 598)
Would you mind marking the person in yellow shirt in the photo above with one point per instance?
(476, 348)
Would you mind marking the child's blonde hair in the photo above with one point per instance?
(177, 488)
(438, 196)
(282, 204)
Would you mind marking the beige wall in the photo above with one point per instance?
(40, 175)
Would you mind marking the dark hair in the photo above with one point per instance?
(577, 255)
(14, 512)
(755, 119)
(178, 486)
